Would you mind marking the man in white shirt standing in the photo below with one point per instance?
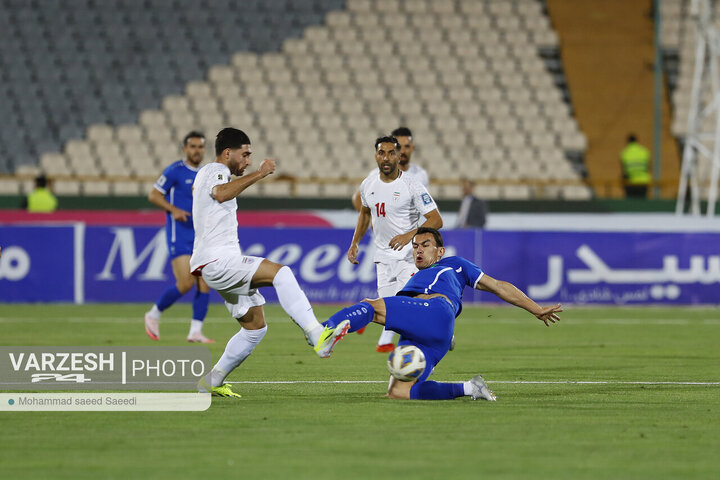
(394, 203)
(218, 259)
(407, 147)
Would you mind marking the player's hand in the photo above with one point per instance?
(399, 241)
(352, 254)
(267, 167)
(180, 215)
(549, 314)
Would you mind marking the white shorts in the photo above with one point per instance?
(391, 277)
(231, 277)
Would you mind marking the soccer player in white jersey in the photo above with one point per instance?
(394, 203)
(407, 147)
(218, 259)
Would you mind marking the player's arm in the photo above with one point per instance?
(513, 295)
(363, 222)
(230, 190)
(356, 200)
(433, 219)
(156, 197)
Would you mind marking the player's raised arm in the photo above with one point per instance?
(232, 189)
(513, 295)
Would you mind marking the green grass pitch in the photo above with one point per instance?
(330, 420)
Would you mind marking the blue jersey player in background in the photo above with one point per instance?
(423, 312)
(173, 193)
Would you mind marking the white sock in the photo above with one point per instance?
(236, 351)
(387, 336)
(195, 327)
(154, 312)
(467, 387)
(295, 303)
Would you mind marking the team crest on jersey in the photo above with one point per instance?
(396, 195)
(426, 199)
(248, 260)
(220, 177)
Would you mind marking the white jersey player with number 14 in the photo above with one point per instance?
(396, 204)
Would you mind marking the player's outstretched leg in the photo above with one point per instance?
(429, 390)
(476, 389)
(152, 317)
(295, 303)
(479, 389)
(200, 309)
(359, 315)
(330, 337)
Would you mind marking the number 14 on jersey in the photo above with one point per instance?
(380, 208)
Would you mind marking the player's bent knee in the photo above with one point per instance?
(184, 285)
(265, 274)
(254, 319)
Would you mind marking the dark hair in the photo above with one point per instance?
(193, 134)
(436, 234)
(392, 140)
(230, 138)
(41, 181)
(631, 138)
(402, 132)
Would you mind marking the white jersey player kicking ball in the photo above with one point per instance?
(218, 259)
(395, 203)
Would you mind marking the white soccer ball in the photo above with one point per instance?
(406, 363)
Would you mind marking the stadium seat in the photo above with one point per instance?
(463, 74)
(9, 187)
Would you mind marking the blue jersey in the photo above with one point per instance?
(449, 277)
(176, 184)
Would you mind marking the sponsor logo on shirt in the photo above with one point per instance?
(426, 199)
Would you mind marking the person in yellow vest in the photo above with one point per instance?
(635, 161)
(41, 199)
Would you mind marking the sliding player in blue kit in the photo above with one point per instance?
(423, 312)
(173, 193)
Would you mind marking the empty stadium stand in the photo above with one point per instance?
(103, 103)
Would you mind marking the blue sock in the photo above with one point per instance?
(359, 315)
(430, 390)
(200, 305)
(168, 297)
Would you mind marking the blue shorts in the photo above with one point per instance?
(427, 324)
(180, 242)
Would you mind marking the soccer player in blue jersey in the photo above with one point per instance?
(423, 312)
(173, 193)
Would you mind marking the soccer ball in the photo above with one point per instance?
(406, 363)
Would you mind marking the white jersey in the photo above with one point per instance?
(415, 171)
(216, 227)
(396, 208)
